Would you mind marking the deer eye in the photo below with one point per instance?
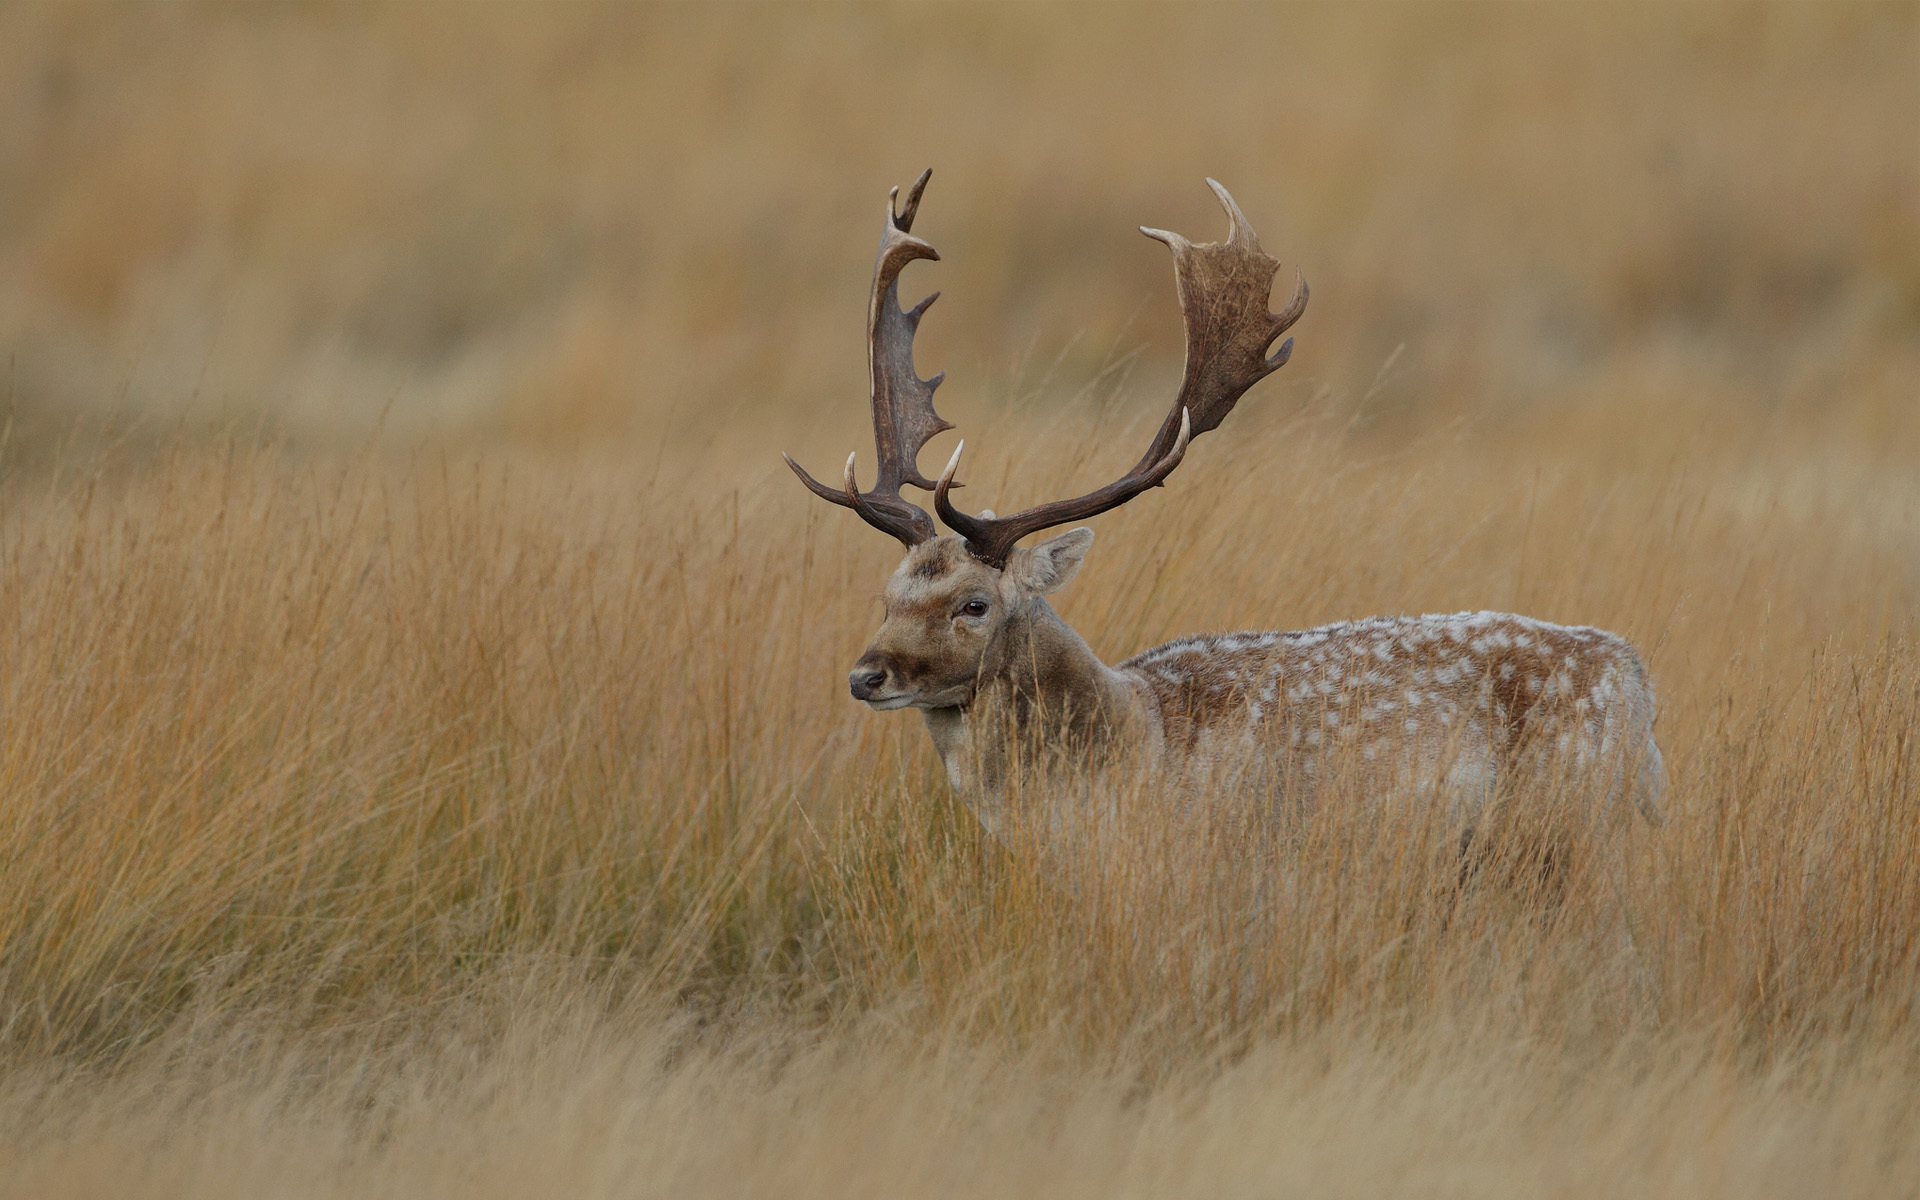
(974, 608)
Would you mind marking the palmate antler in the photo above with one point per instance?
(903, 416)
(1223, 288)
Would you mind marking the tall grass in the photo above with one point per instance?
(448, 786)
(327, 778)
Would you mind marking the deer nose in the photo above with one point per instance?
(865, 681)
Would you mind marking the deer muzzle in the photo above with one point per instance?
(869, 681)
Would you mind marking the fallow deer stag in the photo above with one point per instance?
(1451, 702)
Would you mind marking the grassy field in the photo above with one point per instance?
(427, 767)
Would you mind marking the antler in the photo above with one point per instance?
(1223, 288)
(903, 416)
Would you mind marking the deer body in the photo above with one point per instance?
(1448, 705)
(1440, 706)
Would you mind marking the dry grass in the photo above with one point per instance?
(482, 812)
(403, 825)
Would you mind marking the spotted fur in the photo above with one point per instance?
(1467, 696)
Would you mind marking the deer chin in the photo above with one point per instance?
(959, 696)
(889, 703)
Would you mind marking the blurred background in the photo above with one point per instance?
(650, 226)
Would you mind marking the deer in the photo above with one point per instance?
(1450, 704)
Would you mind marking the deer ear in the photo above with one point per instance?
(1048, 567)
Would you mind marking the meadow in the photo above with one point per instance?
(427, 764)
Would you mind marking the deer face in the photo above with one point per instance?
(950, 619)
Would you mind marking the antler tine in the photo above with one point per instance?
(1224, 288)
(904, 219)
(903, 416)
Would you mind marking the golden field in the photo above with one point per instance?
(428, 768)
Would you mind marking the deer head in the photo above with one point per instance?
(953, 621)
(964, 608)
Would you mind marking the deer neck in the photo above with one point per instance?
(1044, 691)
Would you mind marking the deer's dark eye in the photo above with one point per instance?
(974, 608)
